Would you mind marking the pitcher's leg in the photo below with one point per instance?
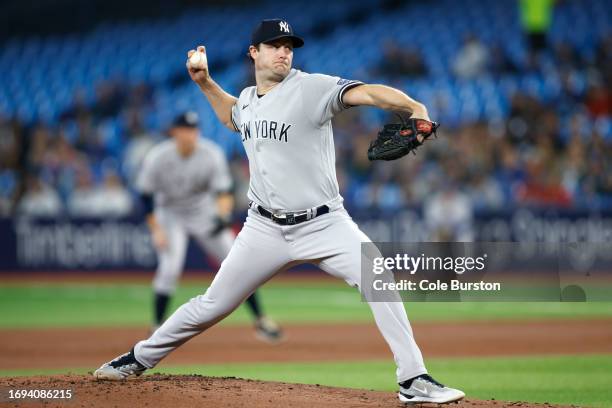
(218, 246)
(257, 254)
(340, 245)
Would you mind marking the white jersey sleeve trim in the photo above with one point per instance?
(345, 88)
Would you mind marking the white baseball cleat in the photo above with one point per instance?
(425, 389)
(121, 368)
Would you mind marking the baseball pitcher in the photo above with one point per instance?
(185, 186)
(296, 214)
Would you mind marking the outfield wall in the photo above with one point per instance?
(124, 244)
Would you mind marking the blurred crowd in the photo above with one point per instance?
(554, 154)
(543, 154)
(82, 166)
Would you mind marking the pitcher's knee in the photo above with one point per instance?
(212, 308)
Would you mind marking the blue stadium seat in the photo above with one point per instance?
(52, 68)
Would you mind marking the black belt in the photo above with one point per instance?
(292, 218)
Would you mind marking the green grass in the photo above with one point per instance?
(93, 304)
(582, 380)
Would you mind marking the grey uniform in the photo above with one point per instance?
(185, 191)
(288, 137)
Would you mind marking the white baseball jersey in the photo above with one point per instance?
(287, 135)
(185, 185)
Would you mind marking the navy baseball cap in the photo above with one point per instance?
(273, 29)
(187, 119)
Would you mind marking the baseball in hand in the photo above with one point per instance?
(197, 60)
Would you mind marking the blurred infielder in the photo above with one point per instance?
(296, 213)
(185, 185)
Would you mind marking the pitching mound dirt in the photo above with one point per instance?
(176, 391)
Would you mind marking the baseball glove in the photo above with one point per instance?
(396, 140)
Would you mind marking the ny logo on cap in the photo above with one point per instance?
(284, 26)
(191, 117)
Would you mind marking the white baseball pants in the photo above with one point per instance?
(172, 258)
(262, 249)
